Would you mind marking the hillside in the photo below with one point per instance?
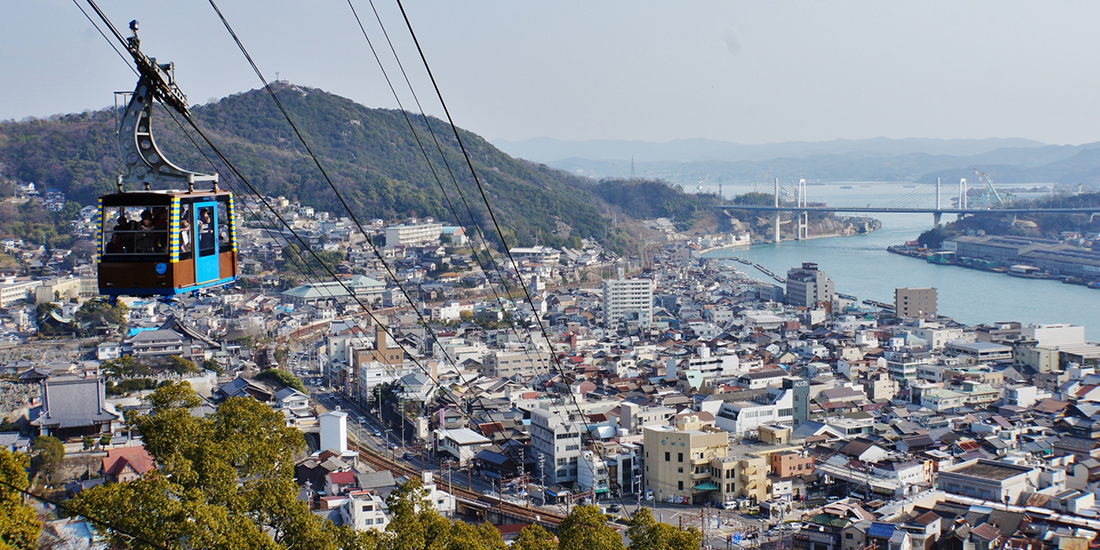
(369, 154)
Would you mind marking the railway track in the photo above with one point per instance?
(380, 462)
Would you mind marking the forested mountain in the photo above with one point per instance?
(370, 155)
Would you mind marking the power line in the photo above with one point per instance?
(496, 224)
(427, 123)
(324, 173)
(248, 184)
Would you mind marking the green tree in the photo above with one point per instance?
(181, 366)
(44, 310)
(224, 481)
(124, 367)
(534, 537)
(585, 528)
(213, 365)
(282, 378)
(94, 314)
(49, 452)
(646, 534)
(19, 528)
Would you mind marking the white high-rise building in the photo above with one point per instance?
(627, 299)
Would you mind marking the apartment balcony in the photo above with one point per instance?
(700, 461)
(749, 472)
(696, 476)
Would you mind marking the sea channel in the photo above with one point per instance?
(861, 266)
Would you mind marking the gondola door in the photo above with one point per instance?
(205, 231)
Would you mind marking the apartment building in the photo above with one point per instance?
(556, 440)
(414, 234)
(525, 364)
(629, 300)
(538, 254)
(915, 303)
(791, 464)
(690, 464)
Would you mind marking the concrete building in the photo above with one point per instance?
(411, 235)
(980, 352)
(334, 431)
(1055, 335)
(538, 254)
(808, 285)
(918, 303)
(525, 364)
(690, 464)
(592, 473)
(462, 444)
(791, 464)
(365, 510)
(989, 480)
(627, 300)
(66, 288)
(556, 441)
(14, 289)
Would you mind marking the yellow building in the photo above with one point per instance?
(690, 464)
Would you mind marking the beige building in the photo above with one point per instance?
(917, 303)
(66, 288)
(503, 364)
(690, 464)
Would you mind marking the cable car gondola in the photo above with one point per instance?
(161, 242)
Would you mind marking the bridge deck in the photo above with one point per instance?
(929, 210)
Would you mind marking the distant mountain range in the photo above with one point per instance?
(687, 162)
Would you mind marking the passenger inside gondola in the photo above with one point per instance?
(206, 232)
(185, 238)
(115, 246)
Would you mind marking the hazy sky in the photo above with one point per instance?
(748, 72)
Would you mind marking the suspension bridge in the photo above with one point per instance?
(928, 199)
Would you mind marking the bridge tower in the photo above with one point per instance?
(803, 226)
(777, 237)
(937, 214)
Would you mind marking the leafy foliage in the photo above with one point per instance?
(94, 314)
(49, 452)
(534, 537)
(19, 528)
(585, 528)
(647, 534)
(281, 377)
(655, 199)
(225, 481)
(1045, 225)
(32, 222)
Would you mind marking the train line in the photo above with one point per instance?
(503, 507)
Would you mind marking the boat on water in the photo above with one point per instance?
(1069, 280)
(1029, 272)
(846, 187)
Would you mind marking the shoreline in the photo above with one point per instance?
(976, 265)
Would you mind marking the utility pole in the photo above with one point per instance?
(523, 470)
